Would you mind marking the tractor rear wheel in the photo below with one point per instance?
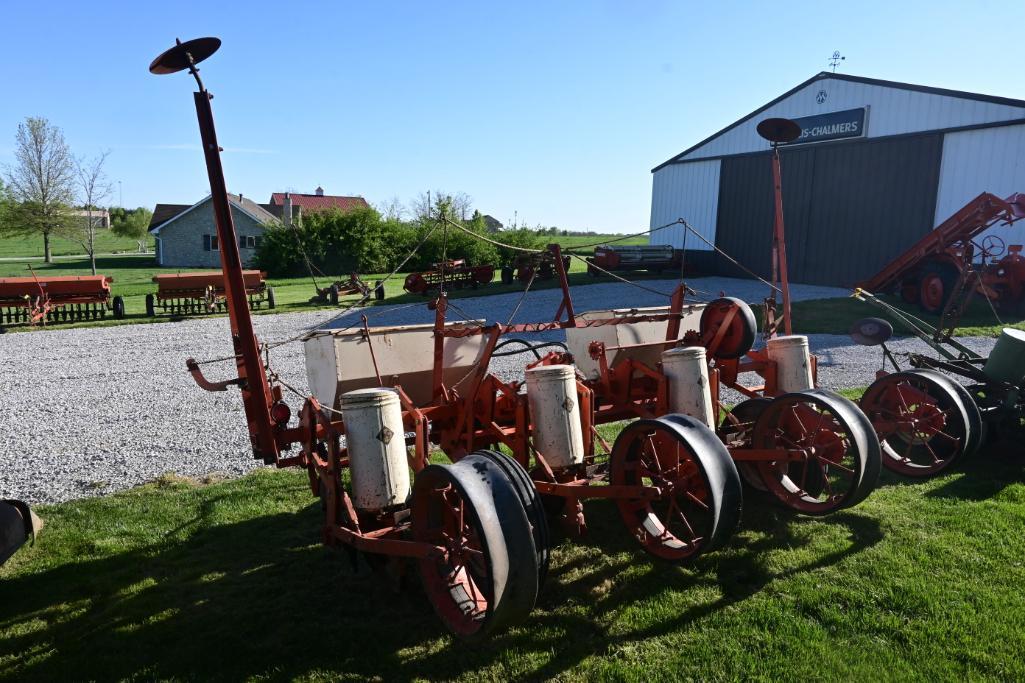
(840, 457)
(922, 422)
(700, 502)
(935, 286)
(488, 578)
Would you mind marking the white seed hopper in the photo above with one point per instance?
(338, 361)
(641, 332)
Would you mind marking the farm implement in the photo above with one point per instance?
(943, 270)
(940, 408)
(529, 267)
(69, 298)
(654, 258)
(18, 525)
(198, 293)
(450, 274)
(354, 285)
(476, 528)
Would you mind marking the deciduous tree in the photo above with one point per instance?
(94, 188)
(41, 181)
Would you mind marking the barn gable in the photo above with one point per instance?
(892, 109)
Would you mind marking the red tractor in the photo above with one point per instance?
(950, 260)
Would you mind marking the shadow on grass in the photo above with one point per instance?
(738, 571)
(985, 475)
(261, 598)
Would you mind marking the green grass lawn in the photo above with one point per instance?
(176, 580)
(835, 316)
(106, 243)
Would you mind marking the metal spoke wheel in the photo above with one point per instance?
(488, 577)
(739, 433)
(833, 458)
(739, 321)
(700, 502)
(922, 422)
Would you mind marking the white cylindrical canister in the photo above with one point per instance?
(793, 362)
(377, 448)
(554, 410)
(686, 369)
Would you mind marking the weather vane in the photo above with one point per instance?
(836, 59)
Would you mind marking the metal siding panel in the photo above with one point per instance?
(872, 203)
(893, 111)
(849, 209)
(688, 191)
(978, 161)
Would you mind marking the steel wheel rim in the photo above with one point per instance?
(655, 458)
(460, 584)
(930, 431)
(831, 472)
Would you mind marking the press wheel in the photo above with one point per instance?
(838, 458)
(488, 579)
(700, 501)
(922, 422)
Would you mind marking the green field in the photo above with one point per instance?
(106, 243)
(179, 580)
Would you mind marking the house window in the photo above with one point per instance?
(210, 243)
(248, 241)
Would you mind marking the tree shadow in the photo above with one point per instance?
(260, 598)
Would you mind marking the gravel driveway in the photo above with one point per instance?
(91, 411)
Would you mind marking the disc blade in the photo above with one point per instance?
(779, 130)
(177, 58)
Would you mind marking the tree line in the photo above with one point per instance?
(40, 191)
(367, 240)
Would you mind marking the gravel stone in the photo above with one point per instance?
(90, 411)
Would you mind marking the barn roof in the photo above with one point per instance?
(311, 203)
(823, 75)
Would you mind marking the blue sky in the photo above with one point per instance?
(556, 111)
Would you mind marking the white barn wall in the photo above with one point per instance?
(985, 160)
(689, 191)
(892, 111)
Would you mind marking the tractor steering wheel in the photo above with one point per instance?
(993, 246)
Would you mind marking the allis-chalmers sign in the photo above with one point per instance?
(831, 126)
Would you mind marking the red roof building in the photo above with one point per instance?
(311, 203)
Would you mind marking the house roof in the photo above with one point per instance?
(320, 202)
(853, 79)
(166, 213)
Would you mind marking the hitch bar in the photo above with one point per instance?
(206, 384)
